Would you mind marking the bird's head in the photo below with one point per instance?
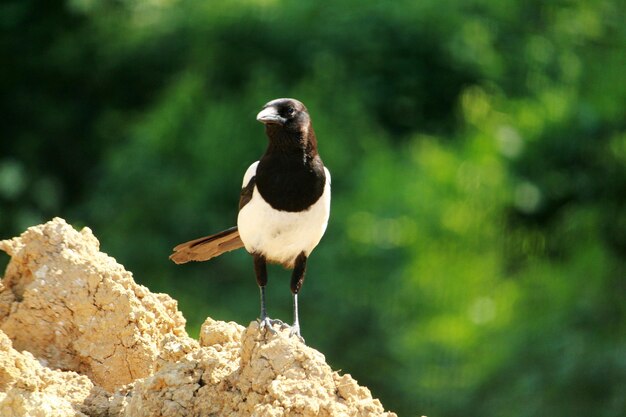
(286, 115)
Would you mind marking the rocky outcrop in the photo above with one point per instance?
(75, 308)
(79, 337)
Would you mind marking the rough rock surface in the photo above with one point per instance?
(76, 308)
(242, 372)
(29, 389)
(78, 337)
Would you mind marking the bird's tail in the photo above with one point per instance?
(207, 247)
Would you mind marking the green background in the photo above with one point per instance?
(475, 260)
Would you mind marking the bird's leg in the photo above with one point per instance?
(260, 269)
(297, 278)
(295, 328)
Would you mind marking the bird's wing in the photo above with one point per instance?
(327, 172)
(249, 181)
(250, 172)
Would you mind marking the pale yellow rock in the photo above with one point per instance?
(29, 389)
(75, 308)
(262, 375)
(215, 333)
(78, 337)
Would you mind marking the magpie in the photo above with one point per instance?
(284, 205)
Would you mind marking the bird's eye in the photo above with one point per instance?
(289, 111)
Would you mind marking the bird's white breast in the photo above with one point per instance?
(281, 235)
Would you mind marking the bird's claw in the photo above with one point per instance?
(295, 331)
(266, 323)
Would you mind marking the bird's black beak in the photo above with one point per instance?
(269, 115)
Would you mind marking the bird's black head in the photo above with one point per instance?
(285, 114)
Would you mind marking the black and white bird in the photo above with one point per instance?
(283, 207)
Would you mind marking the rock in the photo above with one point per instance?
(29, 389)
(75, 308)
(95, 343)
(262, 375)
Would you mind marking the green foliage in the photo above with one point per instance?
(474, 261)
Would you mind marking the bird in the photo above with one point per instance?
(284, 206)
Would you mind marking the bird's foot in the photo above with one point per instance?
(265, 323)
(295, 331)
